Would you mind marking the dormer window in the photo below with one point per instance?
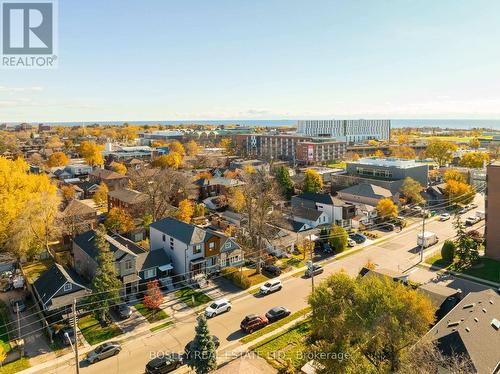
(67, 287)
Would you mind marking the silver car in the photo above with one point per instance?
(103, 351)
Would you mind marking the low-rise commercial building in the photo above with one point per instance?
(492, 230)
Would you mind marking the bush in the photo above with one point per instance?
(448, 250)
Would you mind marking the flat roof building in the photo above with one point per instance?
(347, 130)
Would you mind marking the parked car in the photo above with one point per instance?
(277, 313)
(473, 206)
(103, 351)
(272, 285)
(67, 335)
(165, 363)
(444, 217)
(351, 242)
(188, 350)
(472, 220)
(386, 227)
(123, 310)
(272, 269)
(253, 322)
(358, 238)
(17, 304)
(327, 248)
(218, 307)
(314, 270)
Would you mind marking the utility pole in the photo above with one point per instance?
(311, 249)
(77, 360)
(18, 323)
(422, 242)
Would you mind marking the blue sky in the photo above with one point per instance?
(264, 59)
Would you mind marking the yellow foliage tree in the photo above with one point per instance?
(119, 168)
(454, 175)
(192, 148)
(372, 142)
(475, 160)
(474, 143)
(186, 211)
(378, 153)
(91, 152)
(68, 192)
(228, 146)
(355, 157)
(57, 159)
(312, 181)
(236, 200)
(120, 221)
(171, 160)
(101, 195)
(387, 209)
(459, 192)
(176, 146)
(404, 152)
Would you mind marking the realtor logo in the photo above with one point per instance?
(28, 34)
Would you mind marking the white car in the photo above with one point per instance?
(469, 221)
(351, 242)
(271, 286)
(444, 217)
(218, 307)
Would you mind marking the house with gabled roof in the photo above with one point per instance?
(194, 250)
(57, 287)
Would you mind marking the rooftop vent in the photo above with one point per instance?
(495, 323)
(484, 310)
(467, 329)
(467, 306)
(451, 324)
(475, 319)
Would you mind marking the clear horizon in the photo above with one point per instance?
(264, 60)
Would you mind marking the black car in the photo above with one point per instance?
(387, 227)
(277, 313)
(164, 364)
(67, 335)
(187, 348)
(358, 238)
(327, 248)
(123, 311)
(272, 270)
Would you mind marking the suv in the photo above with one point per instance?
(164, 364)
(314, 270)
(469, 221)
(123, 311)
(253, 322)
(358, 238)
(271, 286)
(217, 307)
(272, 269)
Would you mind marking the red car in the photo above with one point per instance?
(253, 322)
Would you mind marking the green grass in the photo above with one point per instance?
(161, 326)
(4, 319)
(94, 333)
(486, 268)
(295, 262)
(16, 366)
(274, 326)
(288, 344)
(338, 165)
(150, 314)
(33, 270)
(255, 278)
(192, 298)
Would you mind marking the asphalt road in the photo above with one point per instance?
(396, 253)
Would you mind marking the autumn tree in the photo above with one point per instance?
(35, 159)
(386, 209)
(236, 199)
(285, 182)
(475, 160)
(105, 283)
(177, 147)
(374, 320)
(459, 192)
(171, 160)
(54, 142)
(379, 154)
(119, 220)
(154, 297)
(57, 159)
(101, 195)
(411, 190)
(372, 142)
(404, 152)
(312, 181)
(203, 174)
(192, 148)
(228, 146)
(474, 143)
(441, 151)
(355, 157)
(186, 211)
(68, 193)
(455, 175)
(92, 153)
(119, 168)
(199, 210)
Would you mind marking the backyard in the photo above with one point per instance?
(34, 269)
(94, 333)
(192, 298)
(150, 314)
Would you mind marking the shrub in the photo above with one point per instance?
(448, 250)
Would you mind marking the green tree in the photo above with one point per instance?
(338, 238)
(448, 250)
(441, 151)
(411, 190)
(105, 284)
(312, 181)
(373, 320)
(467, 248)
(202, 357)
(285, 182)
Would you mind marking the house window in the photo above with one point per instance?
(128, 265)
(163, 237)
(211, 245)
(227, 245)
(172, 244)
(67, 287)
(150, 273)
(197, 248)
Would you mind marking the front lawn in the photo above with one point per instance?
(33, 270)
(192, 298)
(16, 366)
(285, 346)
(486, 268)
(254, 277)
(94, 333)
(150, 314)
(4, 320)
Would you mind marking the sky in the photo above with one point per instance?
(264, 59)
